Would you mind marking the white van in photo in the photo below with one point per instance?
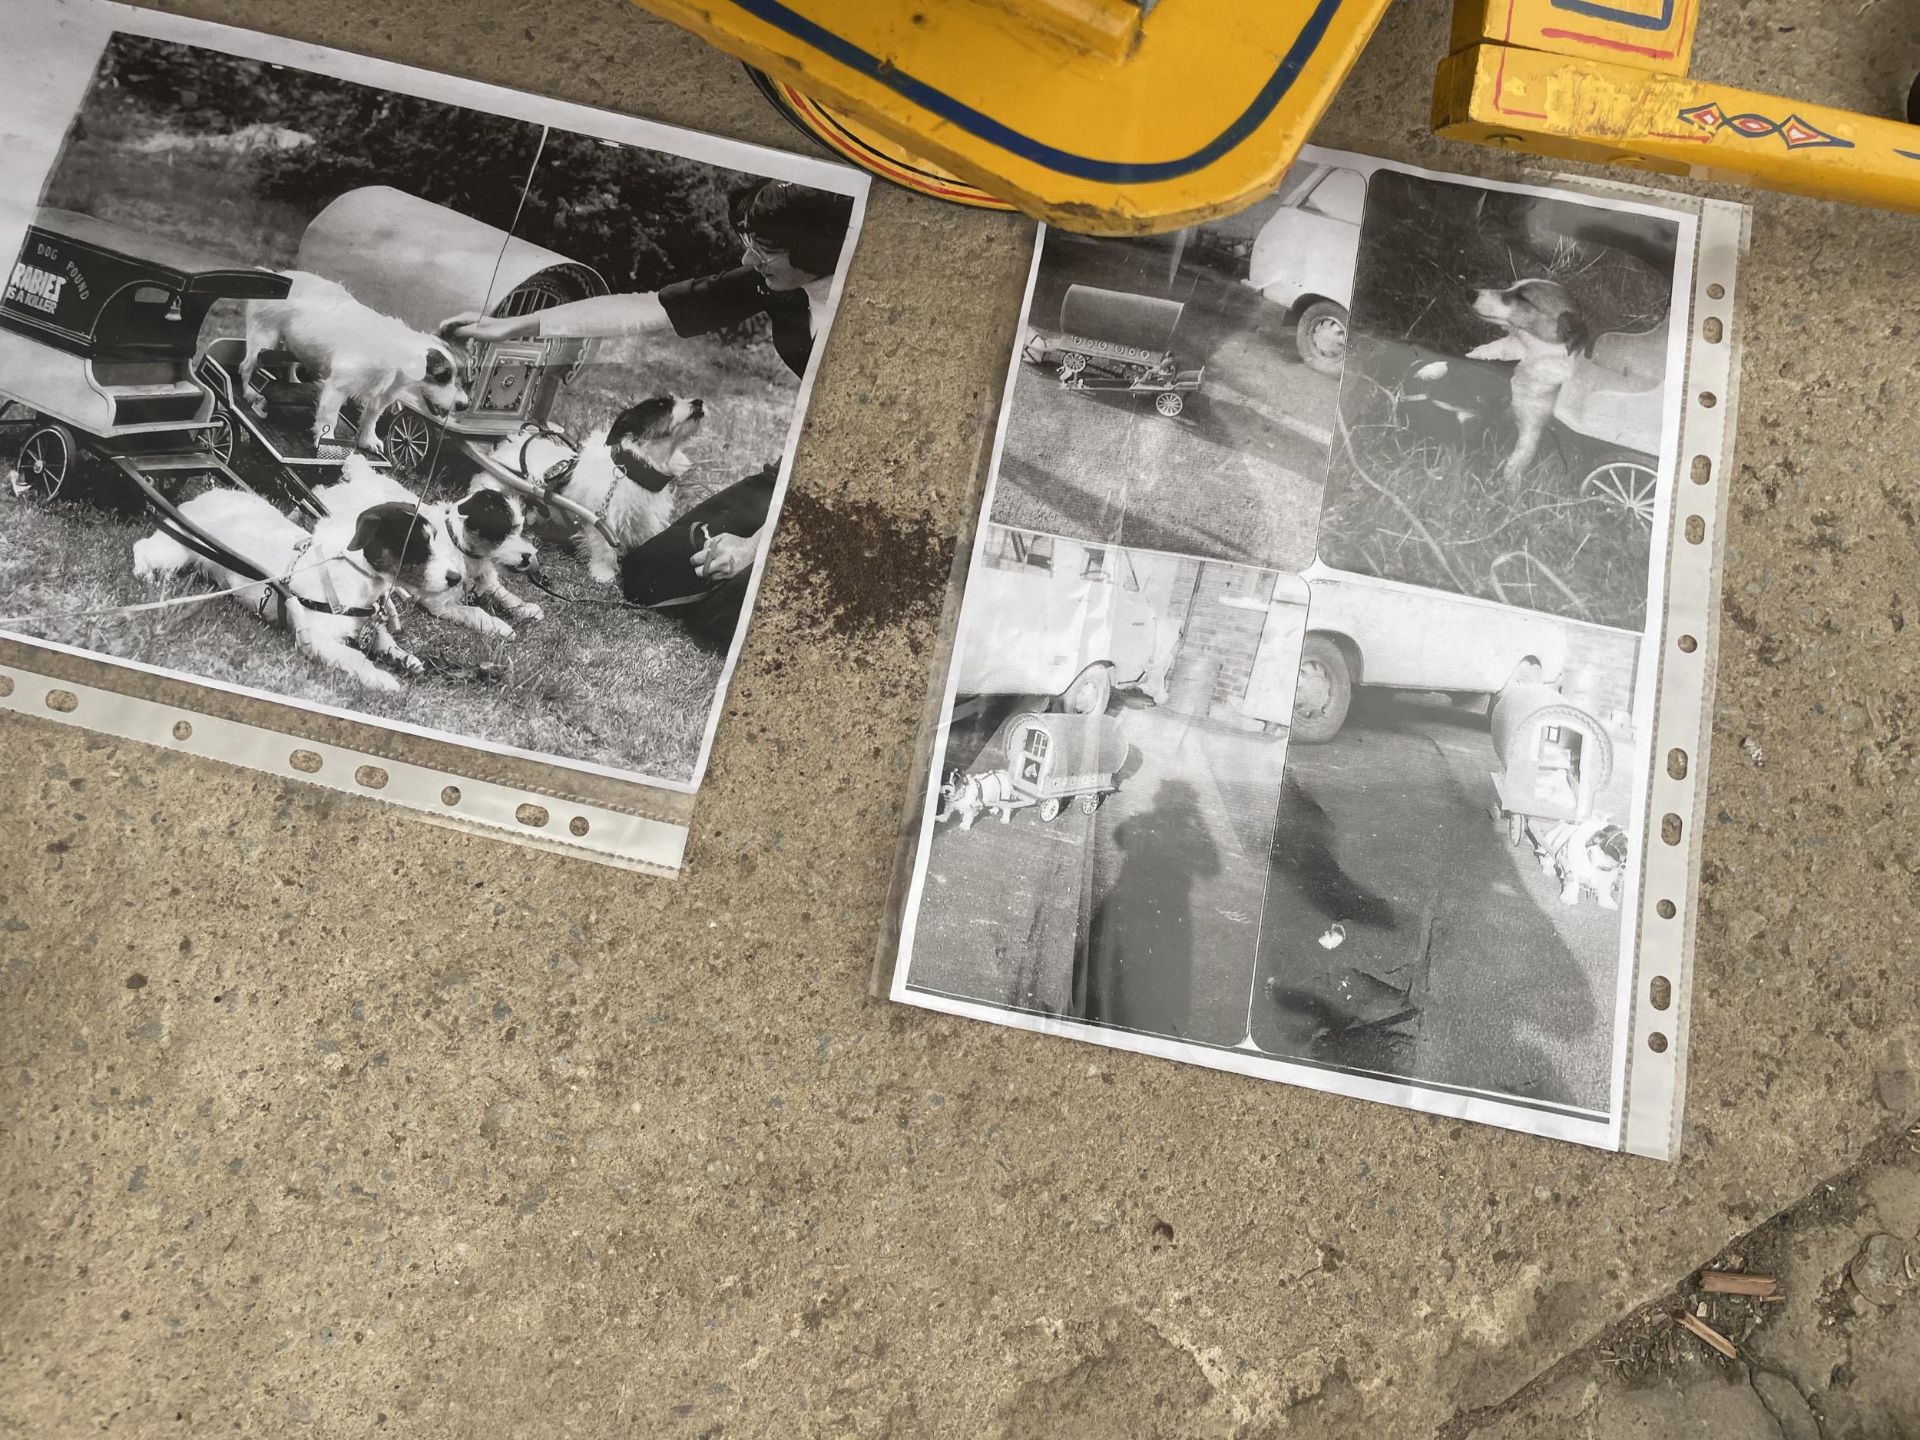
(1304, 256)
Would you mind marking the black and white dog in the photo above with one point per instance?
(341, 575)
(486, 527)
(624, 473)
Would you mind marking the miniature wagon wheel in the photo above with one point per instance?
(1089, 802)
(220, 438)
(1049, 809)
(1516, 827)
(1071, 364)
(47, 460)
(1169, 403)
(1624, 482)
(408, 443)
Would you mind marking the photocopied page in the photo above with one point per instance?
(391, 431)
(1329, 686)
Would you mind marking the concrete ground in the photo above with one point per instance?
(322, 1122)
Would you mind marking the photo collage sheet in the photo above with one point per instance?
(481, 406)
(1300, 715)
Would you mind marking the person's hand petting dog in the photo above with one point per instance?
(725, 556)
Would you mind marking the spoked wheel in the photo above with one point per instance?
(220, 438)
(47, 460)
(1049, 810)
(1624, 484)
(1071, 364)
(1089, 804)
(1169, 403)
(408, 442)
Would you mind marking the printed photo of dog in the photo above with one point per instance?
(1544, 330)
(486, 527)
(356, 354)
(342, 576)
(625, 473)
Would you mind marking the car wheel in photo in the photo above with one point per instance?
(1321, 335)
(1323, 693)
(408, 442)
(1169, 403)
(1090, 691)
(46, 461)
(1624, 482)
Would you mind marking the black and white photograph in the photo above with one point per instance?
(438, 414)
(1110, 771)
(1178, 392)
(1506, 399)
(1373, 824)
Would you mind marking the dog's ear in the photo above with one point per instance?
(488, 516)
(391, 536)
(366, 529)
(1574, 332)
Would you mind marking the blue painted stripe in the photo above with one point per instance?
(1909, 154)
(1594, 10)
(1064, 162)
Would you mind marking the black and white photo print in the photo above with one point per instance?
(1370, 813)
(1178, 392)
(1111, 765)
(396, 397)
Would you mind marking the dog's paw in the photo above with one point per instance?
(526, 610)
(409, 662)
(380, 680)
(492, 625)
(604, 573)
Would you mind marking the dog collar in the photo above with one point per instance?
(660, 479)
(455, 538)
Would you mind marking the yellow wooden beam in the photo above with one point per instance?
(1650, 34)
(1577, 109)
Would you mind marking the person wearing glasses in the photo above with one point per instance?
(790, 237)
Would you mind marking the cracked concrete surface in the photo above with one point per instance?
(407, 1131)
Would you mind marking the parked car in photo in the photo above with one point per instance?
(1303, 258)
(1362, 630)
(1067, 620)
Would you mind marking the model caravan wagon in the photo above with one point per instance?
(98, 328)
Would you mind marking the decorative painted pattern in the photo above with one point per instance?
(1797, 134)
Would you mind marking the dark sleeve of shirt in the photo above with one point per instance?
(714, 302)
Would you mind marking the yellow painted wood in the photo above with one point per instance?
(1570, 109)
(1651, 34)
(1191, 76)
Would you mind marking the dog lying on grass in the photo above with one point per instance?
(357, 353)
(487, 528)
(341, 575)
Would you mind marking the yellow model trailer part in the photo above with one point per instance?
(1108, 116)
(1577, 109)
(1649, 34)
